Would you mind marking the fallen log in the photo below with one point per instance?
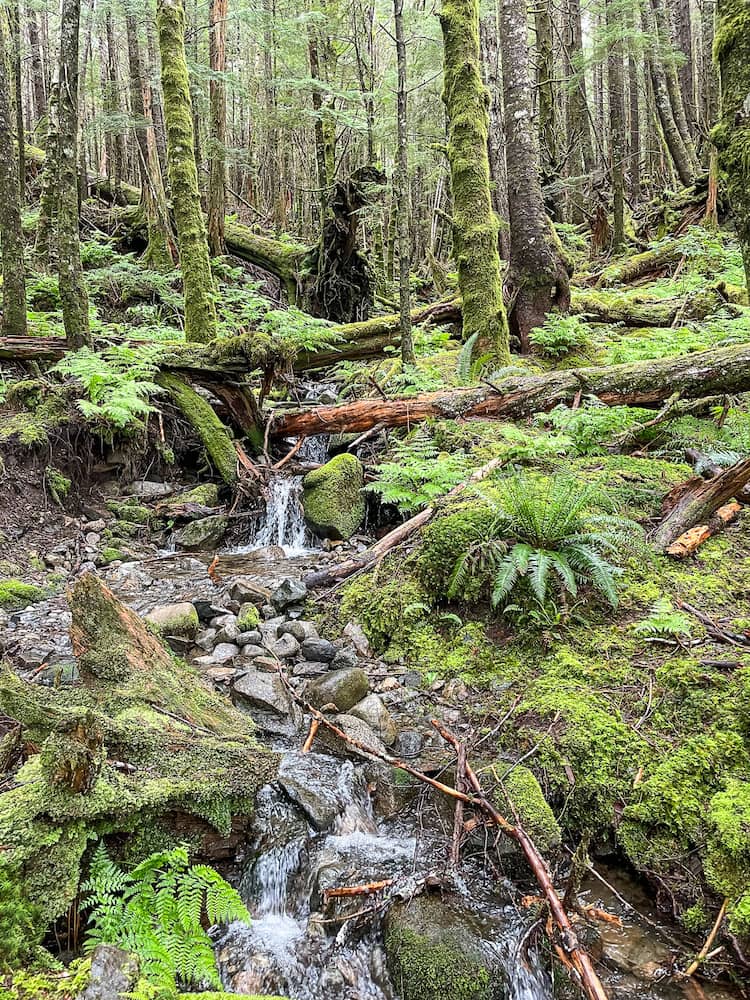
(691, 539)
(644, 383)
(698, 503)
(651, 262)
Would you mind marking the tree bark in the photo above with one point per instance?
(545, 90)
(38, 88)
(44, 247)
(634, 126)
(697, 505)
(537, 279)
(11, 233)
(200, 309)
(474, 224)
(616, 90)
(491, 74)
(684, 39)
(665, 33)
(217, 91)
(643, 384)
(732, 133)
(401, 190)
(75, 306)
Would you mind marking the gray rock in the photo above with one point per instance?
(357, 730)
(285, 647)
(372, 711)
(225, 618)
(245, 638)
(314, 782)
(267, 701)
(300, 630)
(409, 743)
(229, 633)
(343, 688)
(34, 656)
(345, 658)
(175, 619)
(206, 639)
(288, 592)
(205, 533)
(268, 611)
(245, 591)
(151, 491)
(222, 653)
(412, 679)
(310, 668)
(114, 973)
(318, 649)
(252, 650)
(355, 633)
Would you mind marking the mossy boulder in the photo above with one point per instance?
(522, 789)
(15, 594)
(206, 495)
(248, 618)
(205, 533)
(175, 619)
(332, 499)
(727, 863)
(439, 951)
(343, 688)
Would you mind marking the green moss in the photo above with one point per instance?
(59, 485)
(450, 534)
(248, 618)
(522, 791)
(381, 608)
(130, 511)
(332, 500)
(207, 495)
(109, 554)
(728, 858)
(40, 983)
(213, 434)
(15, 594)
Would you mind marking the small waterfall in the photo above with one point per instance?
(283, 523)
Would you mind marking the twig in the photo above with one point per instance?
(454, 856)
(701, 956)
(290, 454)
(314, 725)
(345, 891)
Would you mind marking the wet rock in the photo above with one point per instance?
(267, 701)
(225, 618)
(310, 668)
(285, 647)
(345, 658)
(356, 635)
(245, 638)
(207, 609)
(114, 973)
(33, 656)
(318, 649)
(205, 533)
(409, 743)
(59, 674)
(247, 591)
(229, 633)
(268, 611)
(221, 653)
(355, 729)
(343, 688)
(320, 786)
(288, 592)
(431, 940)
(300, 630)
(372, 711)
(332, 497)
(248, 617)
(175, 619)
(251, 651)
(206, 639)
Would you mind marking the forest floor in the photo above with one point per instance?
(634, 719)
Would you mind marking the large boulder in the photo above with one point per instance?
(342, 688)
(438, 949)
(205, 533)
(332, 497)
(175, 619)
(265, 698)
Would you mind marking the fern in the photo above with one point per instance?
(117, 381)
(560, 336)
(663, 622)
(156, 911)
(547, 539)
(418, 474)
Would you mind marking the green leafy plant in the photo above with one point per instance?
(560, 336)
(592, 425)
(418, 473)
(664, 622)
(157, 910)
(547, 538)
(117, 381)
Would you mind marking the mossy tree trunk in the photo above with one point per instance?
(401, 191)
(11, 234)
(538, 279)
(490, 49)
(75, 304)
(153, 200)
(616, 89)
(201, 416)
(44, 246)
(200, 307)
(217, 178)
(474, 222)
(731, 135)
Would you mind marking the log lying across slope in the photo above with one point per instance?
(644, 383)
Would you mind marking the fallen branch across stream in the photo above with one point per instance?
(569, 944)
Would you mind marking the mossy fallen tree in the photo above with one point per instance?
(202, 418)
(141, 747)
(645, 384)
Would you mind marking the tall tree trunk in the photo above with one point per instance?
(153, 200)
(11, 234)
(44, 247)
(732, 133)
(545, 90)
(217, 181)
(75, 306)
(709, 88)
(14, 22)
(200, 308)
(678, 151)
(537, 279)
(634, 125)
(684, 38)
(401, 190)
(488, 41)
(665, 34)
(616, 122)
(474, 223)
(153, 68)
(38, 88)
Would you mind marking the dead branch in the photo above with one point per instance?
(346, 891)
(703, 953)
(699, 502)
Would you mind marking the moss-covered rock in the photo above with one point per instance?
(129, 511)
(15, 594)
(448, 536)
(435, 951)
(206, 495)
(332, 500)
(175, 619)
(205, 533)
(248, 618)
(523, 792)
(728, 859)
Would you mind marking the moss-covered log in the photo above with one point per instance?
(474, 222)
(650, 262)
(165, 757)
(200, 308)
(731, 135)
(645, 384)
(200, 415)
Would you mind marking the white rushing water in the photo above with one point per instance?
(320, 832)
